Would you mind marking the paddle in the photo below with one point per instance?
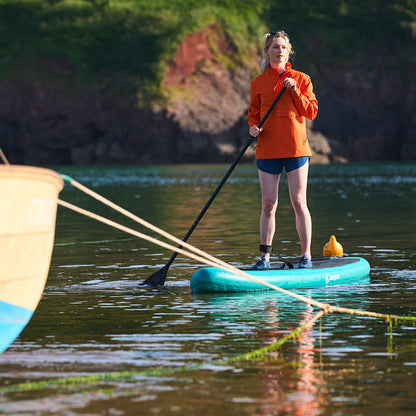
(159, 277)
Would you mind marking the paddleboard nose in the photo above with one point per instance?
(332, 248)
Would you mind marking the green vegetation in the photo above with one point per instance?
(127, 42)
(344, 30)
(259, 355)
(112, 38)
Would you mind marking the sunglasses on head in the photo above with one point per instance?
(273, 32)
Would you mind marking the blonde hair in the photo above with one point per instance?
(268, 40)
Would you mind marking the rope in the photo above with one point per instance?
(3, 157)
(73, 243)
(148, 225)
(206, 258)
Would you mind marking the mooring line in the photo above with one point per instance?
(214, 262)
(202, 256)
(73, 243)
(3, 157)
(207, 259)
(145, 223)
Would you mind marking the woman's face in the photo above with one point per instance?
(278, 52)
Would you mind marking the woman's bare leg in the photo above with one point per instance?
(297, 180)
(269, 185)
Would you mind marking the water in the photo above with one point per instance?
(94, 318)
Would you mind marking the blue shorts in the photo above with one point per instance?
(275, 166)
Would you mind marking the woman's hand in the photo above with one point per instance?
(290, 84)
(255, 131)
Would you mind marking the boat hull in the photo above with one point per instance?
(13, 319)
(28, 205)
(325, 272)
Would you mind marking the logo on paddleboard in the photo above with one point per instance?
(331, 277)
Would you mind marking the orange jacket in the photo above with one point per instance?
(284, 132)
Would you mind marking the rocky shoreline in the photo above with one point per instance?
(363, 116)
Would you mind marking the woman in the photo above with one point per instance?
(282, 143)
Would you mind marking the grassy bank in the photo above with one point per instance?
(129, 41)
(112, 38)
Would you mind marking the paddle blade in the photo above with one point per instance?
(158, 278)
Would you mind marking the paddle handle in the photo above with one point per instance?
(226, 176)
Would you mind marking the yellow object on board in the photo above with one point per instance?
(332, 248)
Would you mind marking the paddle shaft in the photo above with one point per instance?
(226, 176)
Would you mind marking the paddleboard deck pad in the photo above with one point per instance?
(329, 271)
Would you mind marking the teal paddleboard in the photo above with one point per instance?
(325, 272)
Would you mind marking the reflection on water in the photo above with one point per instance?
(94, 318)
(306, 395)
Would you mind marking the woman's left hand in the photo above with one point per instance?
(290, 84)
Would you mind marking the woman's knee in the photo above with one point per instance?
(299, 203)
(269, 207)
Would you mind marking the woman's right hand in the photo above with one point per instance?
(255, 131)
